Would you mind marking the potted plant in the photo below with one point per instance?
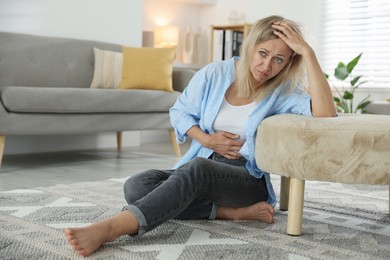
(345, 96)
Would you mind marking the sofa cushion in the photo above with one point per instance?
(80, 100)
(147, 68)
(108, 69)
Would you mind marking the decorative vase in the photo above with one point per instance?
(188, 46)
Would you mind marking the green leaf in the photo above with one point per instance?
(356, 79)
(341, 71)
(364, 102)
(351, 65)
(363, 105)
(343, 99)
(348, 95)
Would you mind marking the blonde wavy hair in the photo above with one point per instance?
(292, 73)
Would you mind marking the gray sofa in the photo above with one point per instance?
(45, 90)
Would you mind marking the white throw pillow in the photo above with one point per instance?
(108, 69)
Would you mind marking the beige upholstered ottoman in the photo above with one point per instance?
(350, 148)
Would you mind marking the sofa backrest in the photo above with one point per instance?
(42, 61)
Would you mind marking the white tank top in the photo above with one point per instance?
(233, 119)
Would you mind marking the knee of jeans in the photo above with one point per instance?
(137, 186)
(199, 166)
(130, 190)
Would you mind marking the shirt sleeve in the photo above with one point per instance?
(186, 112)
(298, 102)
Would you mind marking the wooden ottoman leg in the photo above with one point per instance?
(284, 192)
(295, 211)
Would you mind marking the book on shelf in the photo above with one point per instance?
(218, 45)
(226, 44)
(238, 37)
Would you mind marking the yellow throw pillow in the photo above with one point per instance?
(147, 68)
(108, 69)
(388, 98)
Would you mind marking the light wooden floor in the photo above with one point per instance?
(46, 169)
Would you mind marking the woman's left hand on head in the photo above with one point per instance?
(291, 37)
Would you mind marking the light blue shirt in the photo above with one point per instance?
(200, 102)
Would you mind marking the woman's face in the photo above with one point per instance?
(269, 59)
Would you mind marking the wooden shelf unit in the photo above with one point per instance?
(245, 28)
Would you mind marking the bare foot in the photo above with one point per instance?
(87, 240)
(260, 211)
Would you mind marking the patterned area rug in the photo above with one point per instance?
(340, 222)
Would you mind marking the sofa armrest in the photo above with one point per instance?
(181, 77)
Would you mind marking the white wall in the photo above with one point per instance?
(166, 12)
(115, 21)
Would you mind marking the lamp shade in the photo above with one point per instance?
(166, 36)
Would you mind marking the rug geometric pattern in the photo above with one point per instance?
(340, 222)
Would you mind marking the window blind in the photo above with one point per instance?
(352, 27)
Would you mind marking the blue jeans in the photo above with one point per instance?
(192, 191)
